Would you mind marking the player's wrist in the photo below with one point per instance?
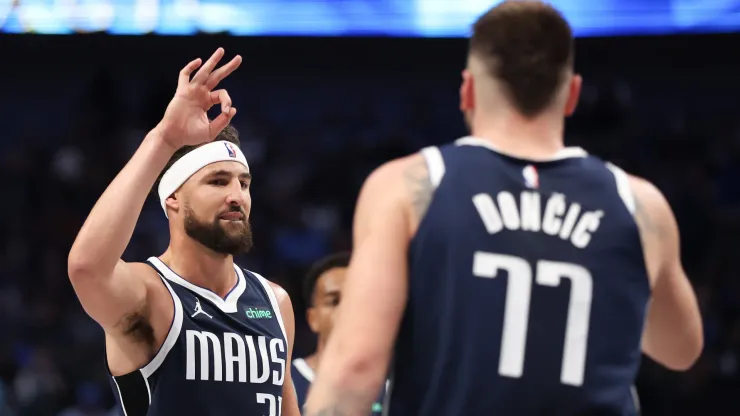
(158, 139)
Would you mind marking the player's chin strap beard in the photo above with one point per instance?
(194, 161)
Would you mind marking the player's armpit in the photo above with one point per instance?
(113, 301)
(290, 400)
(359, 350)
(673, 334)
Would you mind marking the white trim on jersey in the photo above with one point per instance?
(148, 389)
(623, 186)
(169, 342)
(635, 399)
(306, 371)
(120, 397)
(228, 305)
(435, 164)
(566, 153)
(387, 398)
(275, 305)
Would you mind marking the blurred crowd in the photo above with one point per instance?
(311, 139)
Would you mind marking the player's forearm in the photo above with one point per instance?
(345, 389)
(109, 226)
(674, 334)
(337, 400)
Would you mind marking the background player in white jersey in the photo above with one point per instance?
(222, 348)
(428, 293)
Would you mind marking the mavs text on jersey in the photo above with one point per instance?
(527, 288)
(220, 357)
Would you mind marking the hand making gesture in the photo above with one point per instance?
(185, 121)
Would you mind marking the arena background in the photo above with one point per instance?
(317, 111)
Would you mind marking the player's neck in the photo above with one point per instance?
(201, 266)
(539, 138)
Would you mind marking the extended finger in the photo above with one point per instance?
(220, 122)
(185, 72)
(223, 72)
(202, 75)
(221, 96)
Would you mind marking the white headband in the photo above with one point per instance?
(194, 161)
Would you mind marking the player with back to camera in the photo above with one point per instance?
(188, 332)
(511, 275)
(322, 292)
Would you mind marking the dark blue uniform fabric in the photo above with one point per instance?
(528, 289)
(221, 356)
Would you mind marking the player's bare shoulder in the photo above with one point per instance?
(655, 220)
(283, 300)
(399, 187)
(280, 294)
(402, 184)
(418, 184)
(649, 204)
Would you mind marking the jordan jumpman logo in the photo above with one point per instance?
(199, 309)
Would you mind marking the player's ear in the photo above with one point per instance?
(172, 202)
(574, 92)
(312, 320)
(467, 98)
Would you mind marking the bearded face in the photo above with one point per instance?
(228, 232)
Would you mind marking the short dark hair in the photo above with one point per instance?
(322, 266)
(528, 46)
(229, 134)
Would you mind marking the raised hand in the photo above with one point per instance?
(185, 121)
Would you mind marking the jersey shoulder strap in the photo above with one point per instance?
(265, 284)
(435, 164)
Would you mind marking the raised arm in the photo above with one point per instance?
(673, 334)
(108, 288)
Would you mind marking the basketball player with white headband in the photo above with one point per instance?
(187, 332)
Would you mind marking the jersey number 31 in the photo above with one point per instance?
(516, 312)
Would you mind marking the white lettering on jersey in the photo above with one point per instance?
(520, 275)
(530, 207)
(565, 220)
(230, 358)
(204, 338)
(232, 348)
(254, 371)
(275, 345)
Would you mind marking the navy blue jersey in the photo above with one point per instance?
(220, 357)
(303, 376)
(527, 289)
